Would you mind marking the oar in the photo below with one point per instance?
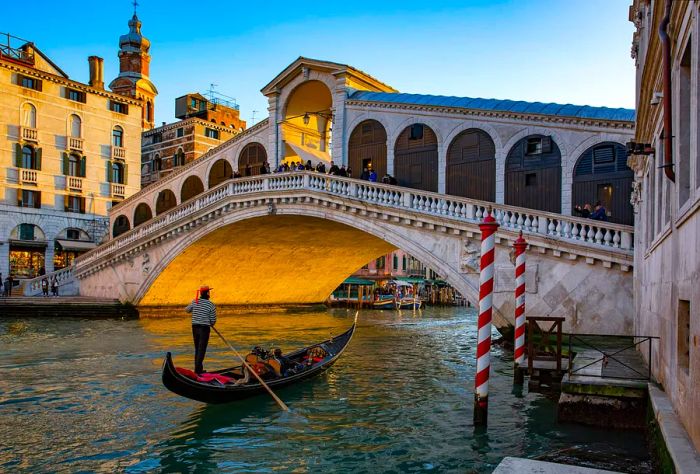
(267, 387)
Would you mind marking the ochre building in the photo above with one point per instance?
(205, 122)
(69, 151)
(666, 161)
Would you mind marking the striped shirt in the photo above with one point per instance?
(203, 312)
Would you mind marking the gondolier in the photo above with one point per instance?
(203, 318)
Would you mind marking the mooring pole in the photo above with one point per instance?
(483, 349)
(519, 346)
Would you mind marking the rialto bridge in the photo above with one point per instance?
(293, 237)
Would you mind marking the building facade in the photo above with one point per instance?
(666, 160)
(204, 124)
(68, 152)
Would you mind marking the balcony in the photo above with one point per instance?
(29, 134)
(118, 153)
(75, 143)
(28, 176)
(117, 190)
(74, 183)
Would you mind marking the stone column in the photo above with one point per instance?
(500, 176)
(389, 155)
(442, 166)
(274, 134)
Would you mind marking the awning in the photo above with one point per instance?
(418, 280)
(28, 243)
(76, 245)
(357, 281)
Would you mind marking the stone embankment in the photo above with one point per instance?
(76, 307)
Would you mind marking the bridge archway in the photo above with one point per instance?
(601, 174)
(142, 213)
(220, 172)
(416, 158)
(166, 201)
(267, 275)
(306, 129)
(191, 188)
(471, 166)
(533, 174)
(121, 225)
(367, 148)
(253, 156)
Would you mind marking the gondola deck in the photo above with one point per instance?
(214, 392)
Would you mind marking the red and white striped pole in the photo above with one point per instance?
(519, 352)
(483, 349)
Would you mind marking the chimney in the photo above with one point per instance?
(96, 72)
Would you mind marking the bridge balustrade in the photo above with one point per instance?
(596, 234)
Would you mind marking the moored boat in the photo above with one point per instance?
(219, 386)
(409, 303)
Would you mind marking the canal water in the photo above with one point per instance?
(86, 395)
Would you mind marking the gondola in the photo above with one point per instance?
(217, 392)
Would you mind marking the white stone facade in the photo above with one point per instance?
(667, 247)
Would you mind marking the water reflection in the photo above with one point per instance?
(86, 395)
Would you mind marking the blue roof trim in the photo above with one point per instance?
(540, 108)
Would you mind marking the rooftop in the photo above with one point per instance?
(498, 105)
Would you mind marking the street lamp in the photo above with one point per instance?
(306, 118)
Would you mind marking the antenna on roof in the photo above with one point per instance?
(252, 119)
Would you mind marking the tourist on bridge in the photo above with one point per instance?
(309, 166)
(265, 168)
(301, 167)
(54, 286)
(203, 318)
(365, 174)
(585, 212)
(372, 176)
(342, 171)
(349, 172)
(45, 286)
(599, 214)
(333, 170)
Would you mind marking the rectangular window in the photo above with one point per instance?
(26, 232)
(180, 132)
(75, 95)
(396, 262)
(29, 82)
(683, 156)
(29, 198)
(73, 234)
(118, 107)
(416, 132)
(684, 334)
(533, 146)
(381, 262)
(531, 179)
(75, 204)
(211, 133)
(603, 154)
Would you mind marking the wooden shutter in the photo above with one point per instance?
(109, 171)
(82, 205)
(18, 157)
(82, 167)
(546, 144)
(37, 199)
(65, 203)
(65, 164)
(126, 173)
(19, 202)
(125, 108)
(38, 158)
(38, 84)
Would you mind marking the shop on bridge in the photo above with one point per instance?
(533, 174)
(416, 158)
(367, 148)
(471, 166)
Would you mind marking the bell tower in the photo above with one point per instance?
(134, 66)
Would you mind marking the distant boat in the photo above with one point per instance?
(409, 303)
(385, 303)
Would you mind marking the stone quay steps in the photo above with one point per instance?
(64, 306)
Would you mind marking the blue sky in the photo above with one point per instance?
(569, 51)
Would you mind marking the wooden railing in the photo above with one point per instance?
(613, 238)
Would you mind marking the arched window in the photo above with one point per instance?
(149, 111)
(121, 225)
(117, 136)
(28, 115)
(28, 158)
(118, 173)
(75, 126)
(142, 214)
(180, 157)
(157, 163)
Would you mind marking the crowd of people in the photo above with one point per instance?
(368, 174)
(46, 284)
(588, 212)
